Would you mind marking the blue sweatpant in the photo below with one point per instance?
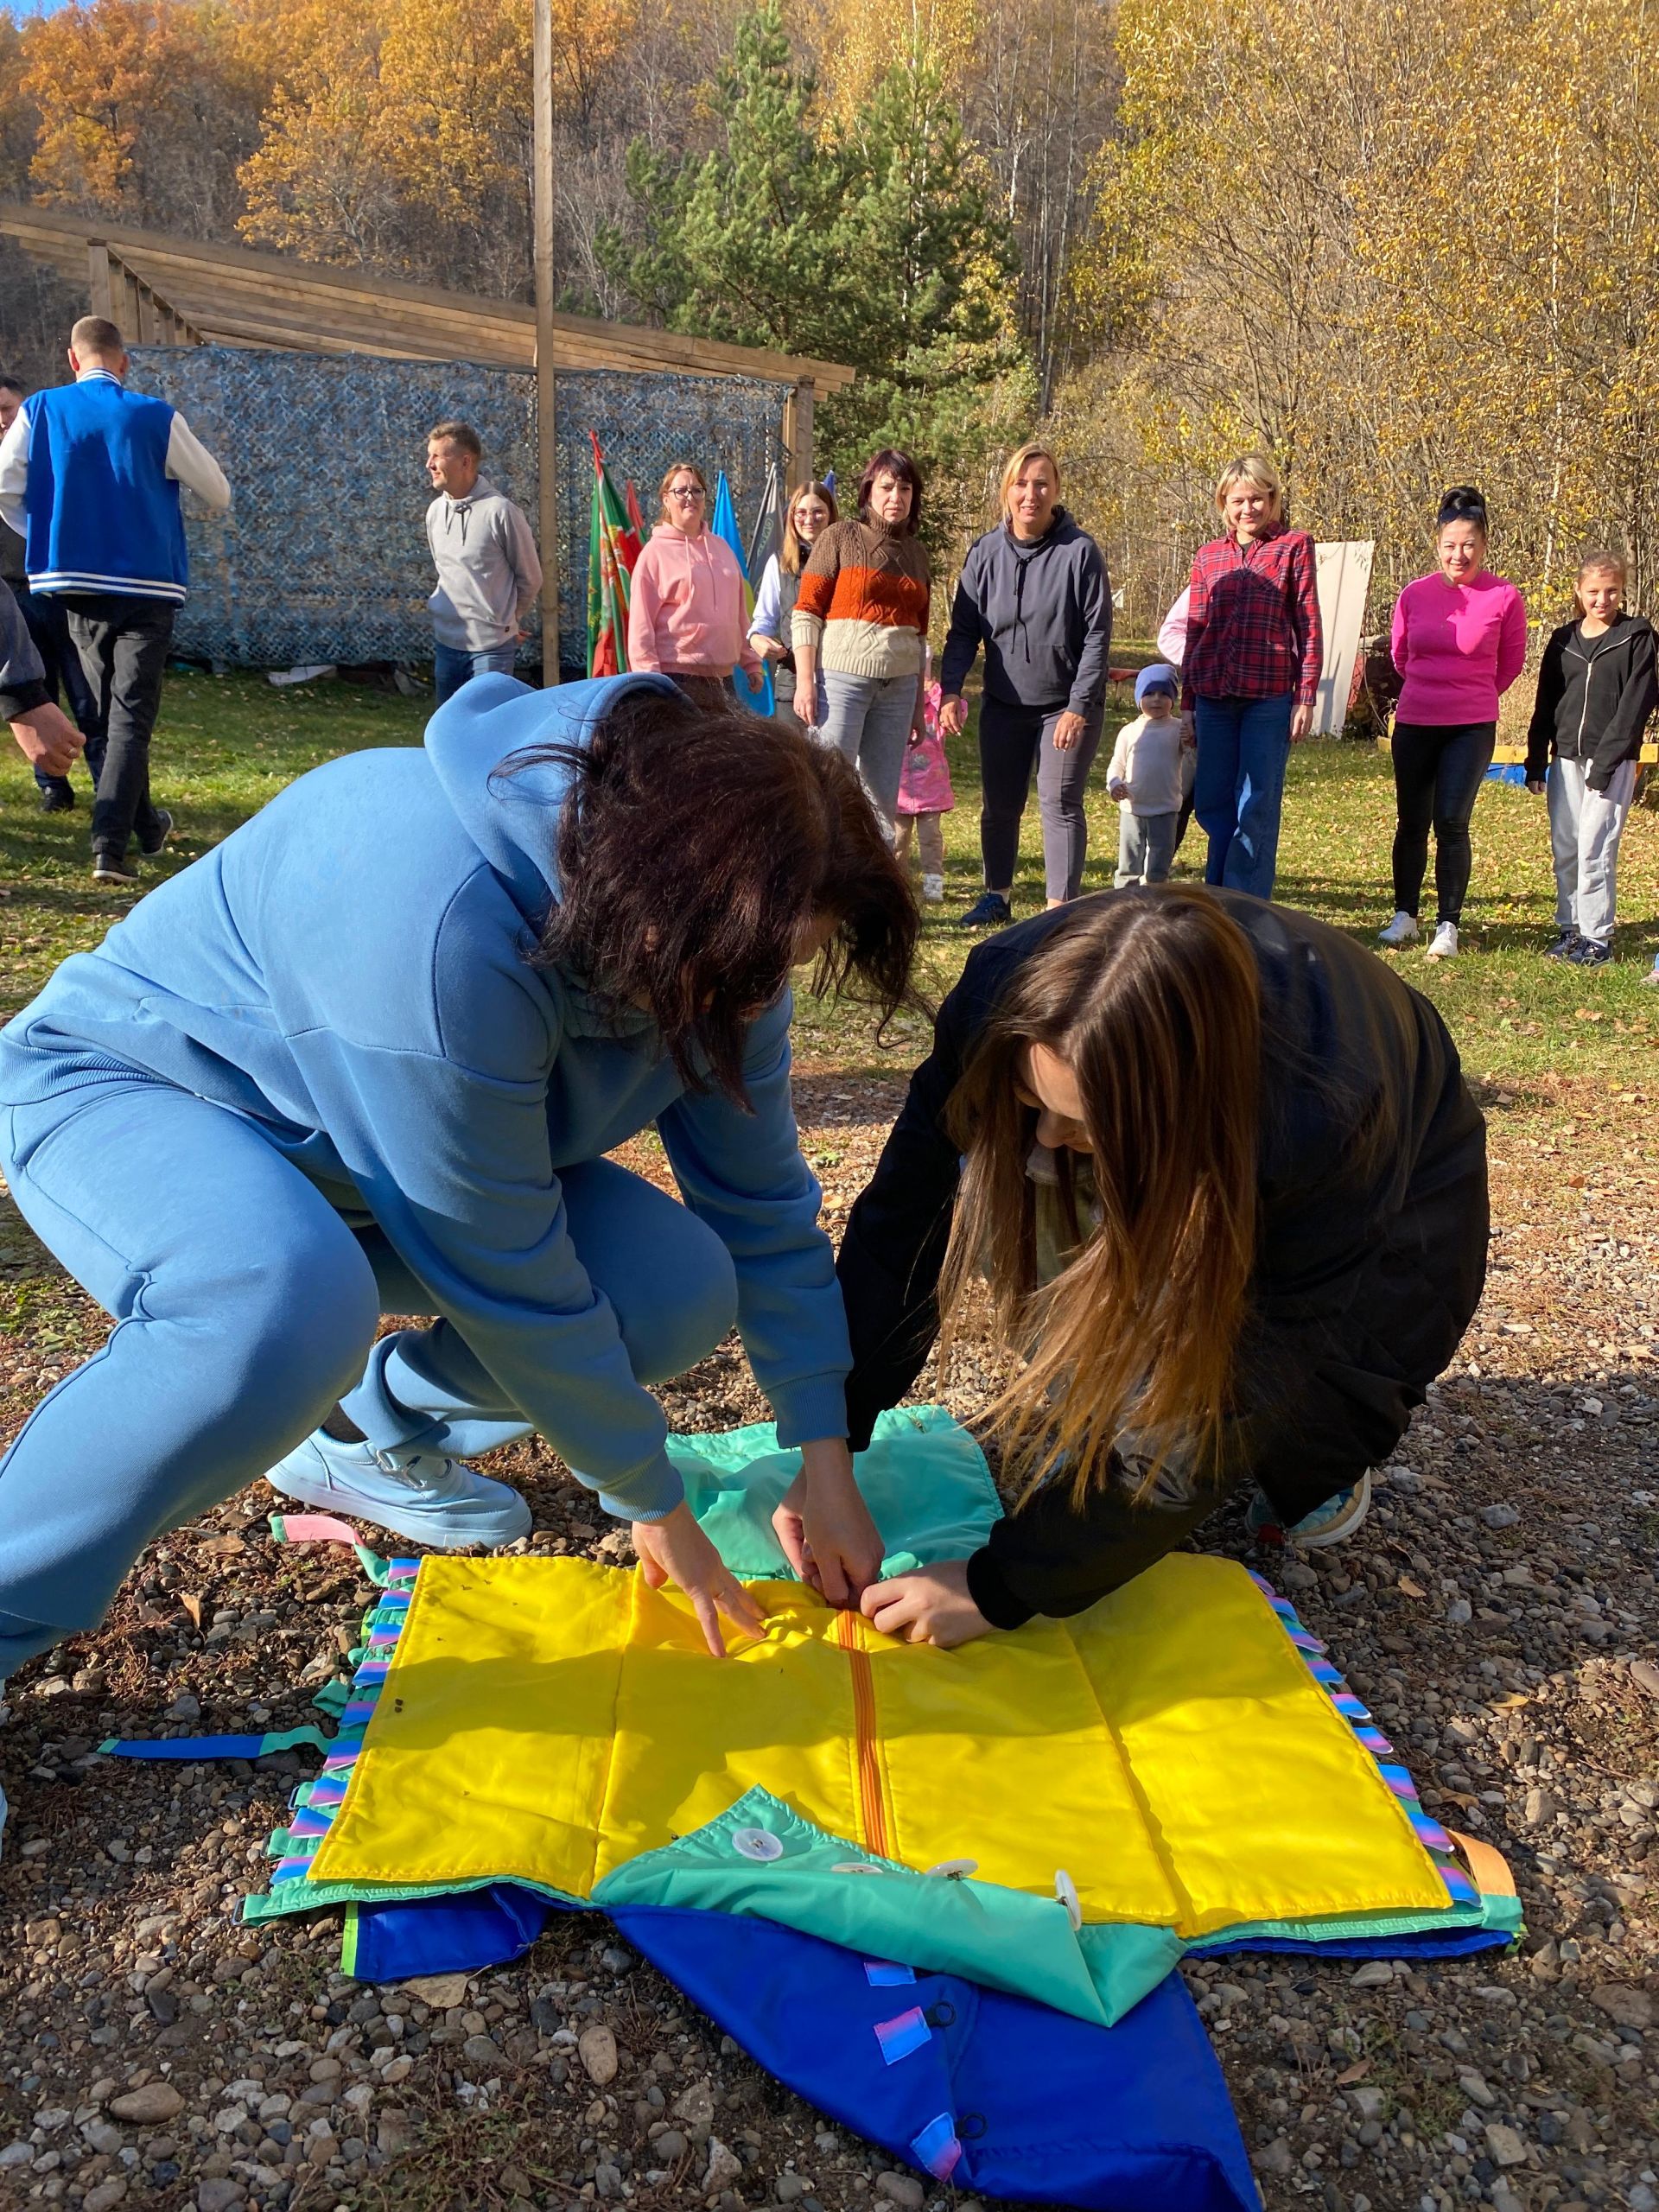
(245, 1307)
(1239, 787)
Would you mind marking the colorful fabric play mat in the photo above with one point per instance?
(1056, 1814)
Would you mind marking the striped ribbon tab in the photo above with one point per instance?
(904, 2033)
(936, 2149)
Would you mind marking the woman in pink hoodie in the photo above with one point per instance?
(686, 613)
(1460, 639)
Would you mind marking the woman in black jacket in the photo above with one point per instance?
(1596, 692)
(1226, 1184)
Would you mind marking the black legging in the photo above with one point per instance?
(1437, 773)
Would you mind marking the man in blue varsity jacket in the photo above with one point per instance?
(89, 476)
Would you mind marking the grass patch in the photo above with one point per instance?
(225, 745)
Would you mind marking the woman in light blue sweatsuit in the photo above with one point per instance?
(332, 1070)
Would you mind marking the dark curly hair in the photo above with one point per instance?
(696, 845)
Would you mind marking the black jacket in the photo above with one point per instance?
(1043, 612)
(22, 673)
(1594, 697)
(1367, 1270)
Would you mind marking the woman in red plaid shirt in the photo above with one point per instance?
(1254, 650)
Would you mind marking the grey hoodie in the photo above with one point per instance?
(1043, 614)
(22, 675)
(488, 571)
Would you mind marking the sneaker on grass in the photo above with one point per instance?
(423, 1496)
(1329, 1524)
(1562, 946)
(1403, 929)
(1444, 946)
(1590, 953)
(991, 911)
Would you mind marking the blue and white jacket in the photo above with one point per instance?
(89, 477)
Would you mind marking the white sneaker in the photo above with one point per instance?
(1444, 946)
(933, 890)
(425, 1496)
(1403, 929)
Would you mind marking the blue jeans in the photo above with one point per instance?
(1239, 788)
(453, 665)
(246, 1308)
(867, 719)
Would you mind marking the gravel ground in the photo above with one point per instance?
(1498, 1612)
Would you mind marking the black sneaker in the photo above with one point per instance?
(1588, 952)
(989, 911)
(110, 866)
(57, 799)
(1565, 944)
(158, 837)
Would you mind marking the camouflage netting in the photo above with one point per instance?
(323, 557)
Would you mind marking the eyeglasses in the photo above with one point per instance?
(694, 495)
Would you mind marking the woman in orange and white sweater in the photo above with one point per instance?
(861, 614)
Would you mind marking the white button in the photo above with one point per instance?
(758, 1844)
(856, 1867)
(1066, 1891)
(956, 1870)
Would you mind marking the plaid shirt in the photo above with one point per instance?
(1253, 629)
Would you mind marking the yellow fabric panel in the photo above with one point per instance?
(551, 1719)
(692, 1734)
(1037, 1782)
(489, 1745)
(1263, 1803)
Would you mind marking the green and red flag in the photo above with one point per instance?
(613, 548)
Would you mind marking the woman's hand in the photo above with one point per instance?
(1068, 732)
(1537, 786)
(767, 648)
(48, 739)
(674, 1549)
(953, 715)
(1301, 721)
(930, 1606)
(824, 1526)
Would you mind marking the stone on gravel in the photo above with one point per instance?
(724, 2168)
(1499, 1516)
(146, 2107)
(1645, 1675)
(1505, 2144)
(669, 2145)
(440, 1990)
(1276, 2159)
(1538, 1809)
(1376, 1973)
(106, 2196)
(1631, 2008)
(901, 2188)
(596, 2048)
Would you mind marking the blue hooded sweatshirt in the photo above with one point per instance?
(348, 970)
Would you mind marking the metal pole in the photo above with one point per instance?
(547, 450)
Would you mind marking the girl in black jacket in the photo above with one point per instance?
(1596, 691)
(1226, 1184)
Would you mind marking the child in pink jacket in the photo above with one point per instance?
(925, 798)
(687, 615)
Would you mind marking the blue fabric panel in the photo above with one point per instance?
(1455, 1943)
(1044, 2107)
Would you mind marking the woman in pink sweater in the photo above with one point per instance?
(687, 618)
(1459, 640)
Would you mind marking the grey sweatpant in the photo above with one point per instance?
(1146, 846)
(1012, 742)
(1585, 828)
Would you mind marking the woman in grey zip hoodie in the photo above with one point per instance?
(1034, 592)
(1597, 690)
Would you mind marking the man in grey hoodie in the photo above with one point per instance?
(489, 575)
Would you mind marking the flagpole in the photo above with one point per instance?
(546, 446)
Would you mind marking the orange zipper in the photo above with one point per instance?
(867, 1760)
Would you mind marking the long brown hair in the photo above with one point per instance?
(1153, 998)
(695, 843)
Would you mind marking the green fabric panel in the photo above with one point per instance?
(333, 1697)
(288, 1898)
(923, 1477)
(1491, 1912)
(1004, 1938)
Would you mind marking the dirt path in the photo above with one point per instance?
(1488, 1614)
